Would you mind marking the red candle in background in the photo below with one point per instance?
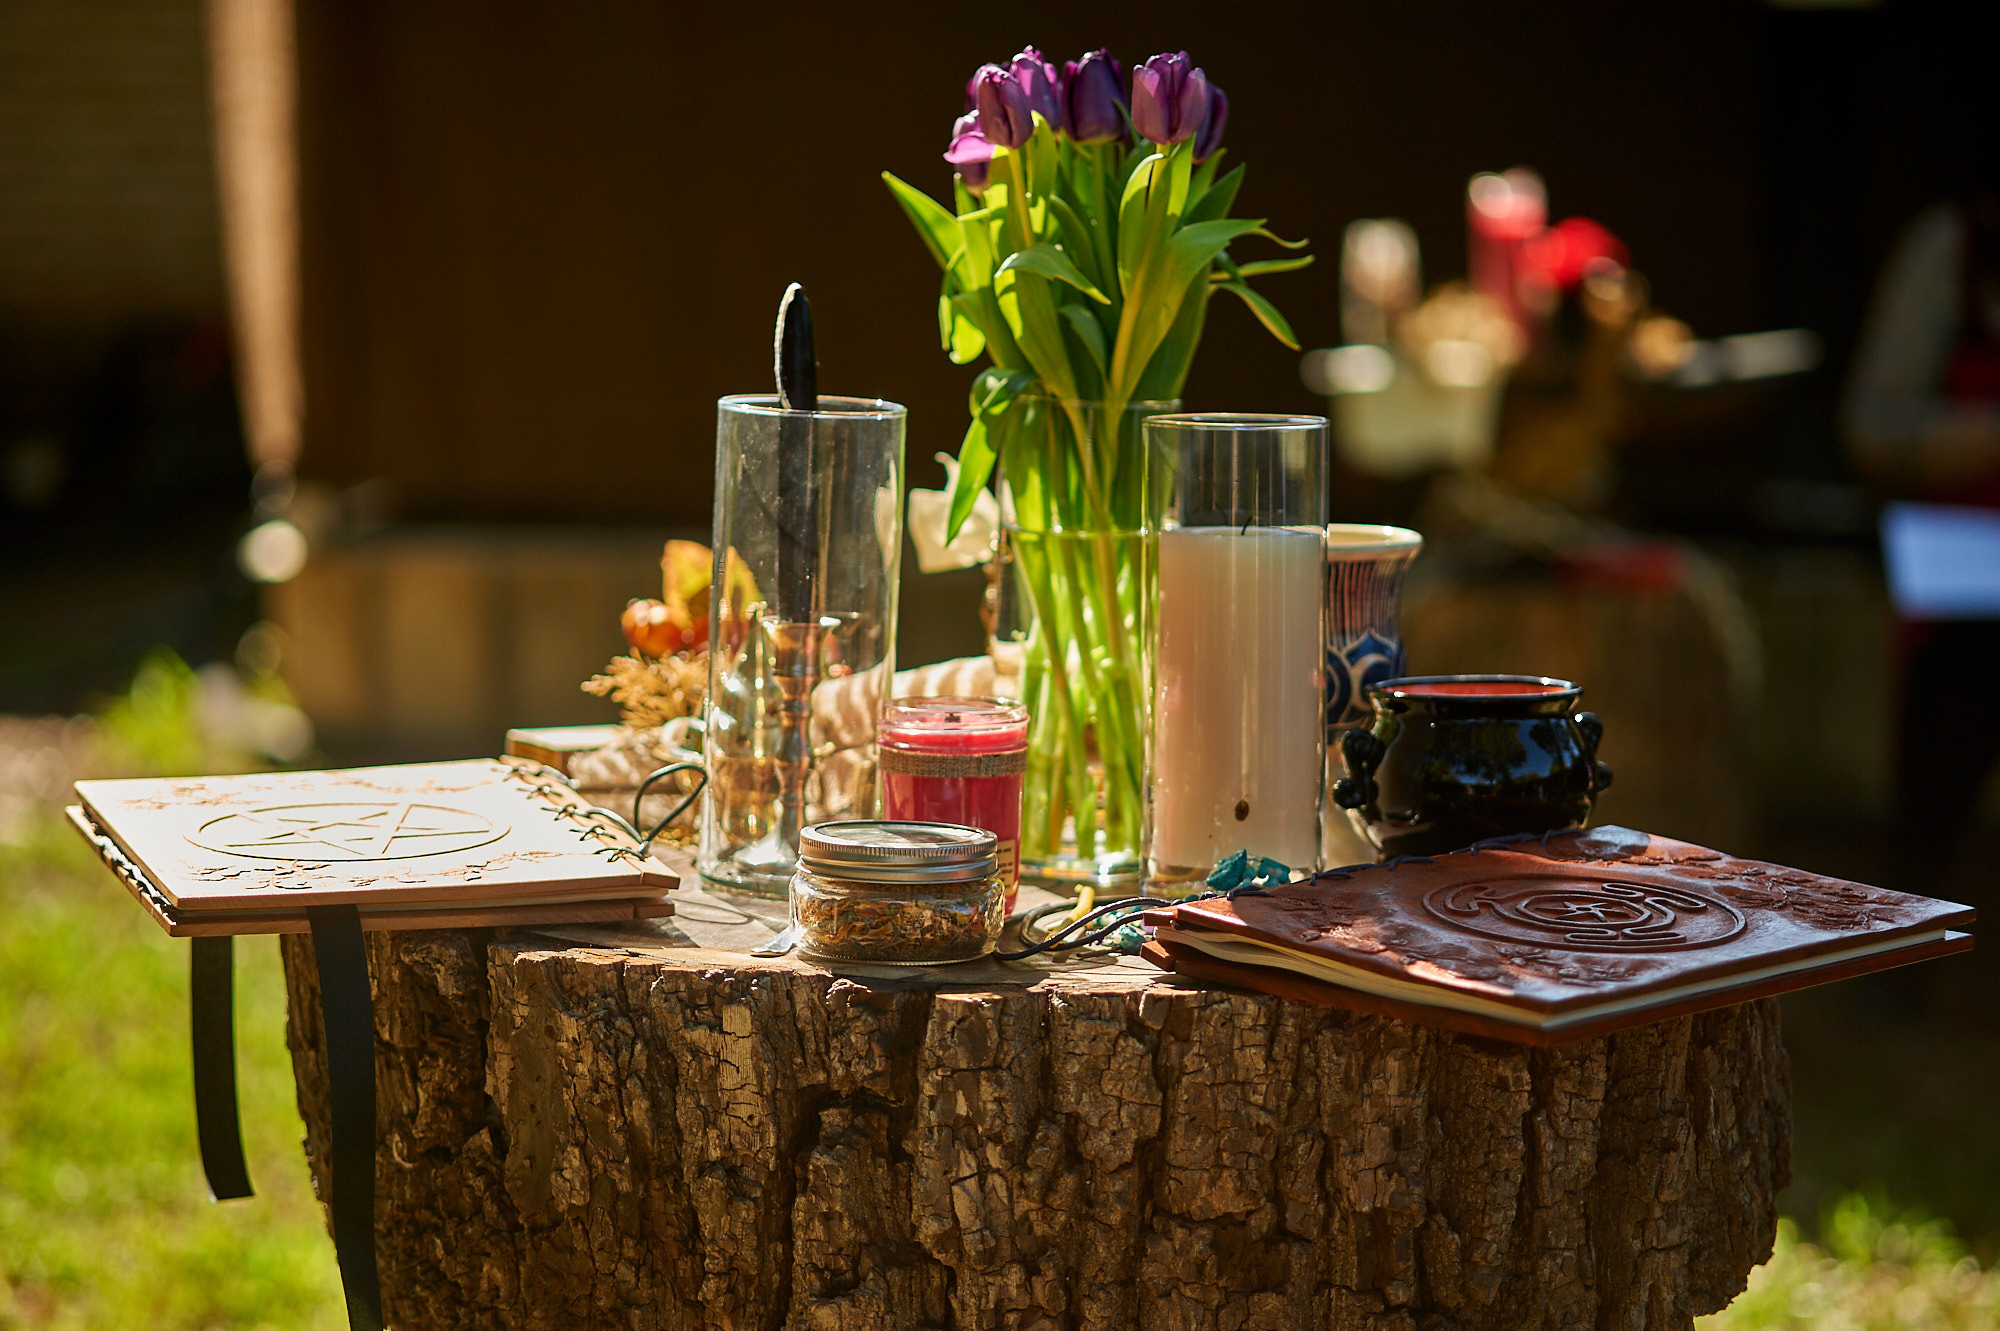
(1502, 213)
(958, 760)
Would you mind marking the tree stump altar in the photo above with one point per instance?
(613, 1127)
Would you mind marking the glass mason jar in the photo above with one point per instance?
(897, 893)
(1237, 752)
(1069, 630)
(802, 626)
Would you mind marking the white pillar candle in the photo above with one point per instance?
(1239, 696)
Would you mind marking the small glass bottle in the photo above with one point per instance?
(957, 760)
(897, 893)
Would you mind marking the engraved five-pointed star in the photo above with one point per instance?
(363, 835)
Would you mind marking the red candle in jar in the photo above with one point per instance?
(958, 760)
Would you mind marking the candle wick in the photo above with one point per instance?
(951, 718)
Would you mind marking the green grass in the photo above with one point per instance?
(104, 1216)
(1872, 1269)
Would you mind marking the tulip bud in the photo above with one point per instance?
(1209, 137)
(1005, 116)
(1093, 95)
(1040, 83)
(969, 151)
(1169, 98)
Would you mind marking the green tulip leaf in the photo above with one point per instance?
(1132, 220)
(1276, 239)
(958, 321)
(1044, 159)
(975, 269)
(1030, 311)
(1204, 174)
(993, 390)
(975, 466)
(1158, 290)
(1166, 373)
(1216, 201)
(1263, 266)
(1078, 238)
(1267, 313)
(1133, 158)
(1180, 173)
(1053, 263)
(1089, 334)
(1198, 242)
(938, 228)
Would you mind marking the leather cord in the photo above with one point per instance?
(212, 1027)
(348, 1016)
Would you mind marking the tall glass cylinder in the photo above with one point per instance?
(1236, 756)
(802, 626)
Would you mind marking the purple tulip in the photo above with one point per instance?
(1169, 98)
(1209, 137)
(1040, 82)
(1006, 117)
(1093, 93)
(969, 151)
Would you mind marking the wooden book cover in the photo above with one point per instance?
(482, 833)
(1557, 938)
(281, 920)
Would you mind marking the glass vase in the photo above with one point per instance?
(1069, 630)
(802, 627)
(1237, 755)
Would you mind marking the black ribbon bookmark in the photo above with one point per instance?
(348, 1016)
(211, 986)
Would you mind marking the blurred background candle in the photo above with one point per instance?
(957, 760)
(1237, 750)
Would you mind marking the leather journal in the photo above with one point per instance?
(1555, 938)
(422, 846)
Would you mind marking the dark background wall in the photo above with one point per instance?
(542, 240)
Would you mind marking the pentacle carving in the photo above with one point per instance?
(325, 833)
(1580, 913)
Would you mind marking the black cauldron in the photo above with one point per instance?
(1454, 759)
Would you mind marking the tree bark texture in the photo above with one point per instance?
(586, 1137)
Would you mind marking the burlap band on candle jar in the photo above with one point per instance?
(957, 765)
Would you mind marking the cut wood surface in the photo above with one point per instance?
(614, 1127)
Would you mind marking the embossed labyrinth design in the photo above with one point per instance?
(322, 833)
(1577, 913)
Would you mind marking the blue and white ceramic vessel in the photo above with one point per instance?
(1364, 644)
(1364, 589)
